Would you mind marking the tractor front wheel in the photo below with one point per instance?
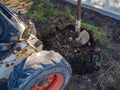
(45, 70)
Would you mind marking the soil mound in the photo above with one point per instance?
(83, 59)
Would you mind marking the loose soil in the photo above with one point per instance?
(81, 58)
(108, 77)
(85, 74)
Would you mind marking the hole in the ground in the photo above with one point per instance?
(83, 59)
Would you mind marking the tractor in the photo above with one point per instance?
(23, 62)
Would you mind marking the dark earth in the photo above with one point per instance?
(86, 74)
(81, 58)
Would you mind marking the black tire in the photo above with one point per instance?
(36, 68)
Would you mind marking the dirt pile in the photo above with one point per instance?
(83, 59)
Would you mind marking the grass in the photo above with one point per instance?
(98, 32)
(46, 16)
(44, 9)
(38, 12)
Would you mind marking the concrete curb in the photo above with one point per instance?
(102, 11)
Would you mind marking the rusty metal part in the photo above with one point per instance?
(78, 20)
(30, 29)
(79, 10)
(20, 51)
(35, 42)
(12, 42)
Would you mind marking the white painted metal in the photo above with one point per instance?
(78, 25)
(33, 40)
(5, 71)
(16, 56)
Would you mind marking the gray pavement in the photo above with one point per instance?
(109, 8)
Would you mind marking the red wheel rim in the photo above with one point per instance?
(51, 82)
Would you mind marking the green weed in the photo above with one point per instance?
(98, 32)
(44, 9)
